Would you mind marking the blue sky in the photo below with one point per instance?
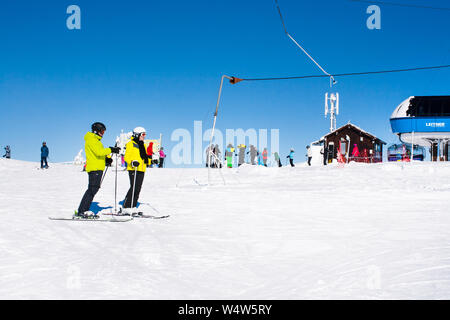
(158, 64)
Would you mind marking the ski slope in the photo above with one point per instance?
(358, 232)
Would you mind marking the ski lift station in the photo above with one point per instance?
(424, 121)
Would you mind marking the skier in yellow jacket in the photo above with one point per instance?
(137, 159)
(96, 160)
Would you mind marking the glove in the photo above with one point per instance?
(135, 164)
(108, 161)
(115, 149)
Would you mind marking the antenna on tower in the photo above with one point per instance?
(333, 110)
(337, 103)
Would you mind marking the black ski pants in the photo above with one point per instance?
(139, 180)
(95, 178)
(44, 162)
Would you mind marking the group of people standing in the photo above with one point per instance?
(324, 154)
(156, 158)
(98, 157)
(213, 156)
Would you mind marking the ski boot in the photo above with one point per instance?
(125, 211)
(85, 215)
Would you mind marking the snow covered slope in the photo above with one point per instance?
(362, 231)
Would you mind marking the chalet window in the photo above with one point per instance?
(343, 147)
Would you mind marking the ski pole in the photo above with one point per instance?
(115, 189)
(134, 184)
(103, 177)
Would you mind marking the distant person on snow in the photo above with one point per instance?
(324, 152)
(355, 153)
(155, 159)
(309, 154)
(209, 158)
(162, 156)
(291, 158)
(44, 155)
(229, 155)
(253, 154)
(277, 159)
(150, 153)
(137, 159)
(265, 157)
(241, 158)
(216, 158)
(7, 154)
(96, 161)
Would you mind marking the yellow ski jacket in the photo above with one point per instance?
(132, 154)
(95, 152)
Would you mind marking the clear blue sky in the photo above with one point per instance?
(158, 64)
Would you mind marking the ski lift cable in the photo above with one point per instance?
(235, 80)
(332, 80)
(401, 5)
(446, 55)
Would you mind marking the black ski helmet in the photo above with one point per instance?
(98, 127)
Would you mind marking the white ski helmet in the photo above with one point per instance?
(138, 131)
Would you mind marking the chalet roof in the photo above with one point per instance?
(356, 128)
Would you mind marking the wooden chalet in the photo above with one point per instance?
(354, 143)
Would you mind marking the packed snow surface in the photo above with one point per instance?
(378, 231)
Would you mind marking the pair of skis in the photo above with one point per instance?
(99, 219)
(117, 217)
(139, 215)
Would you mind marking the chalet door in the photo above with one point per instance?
(330, 155)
